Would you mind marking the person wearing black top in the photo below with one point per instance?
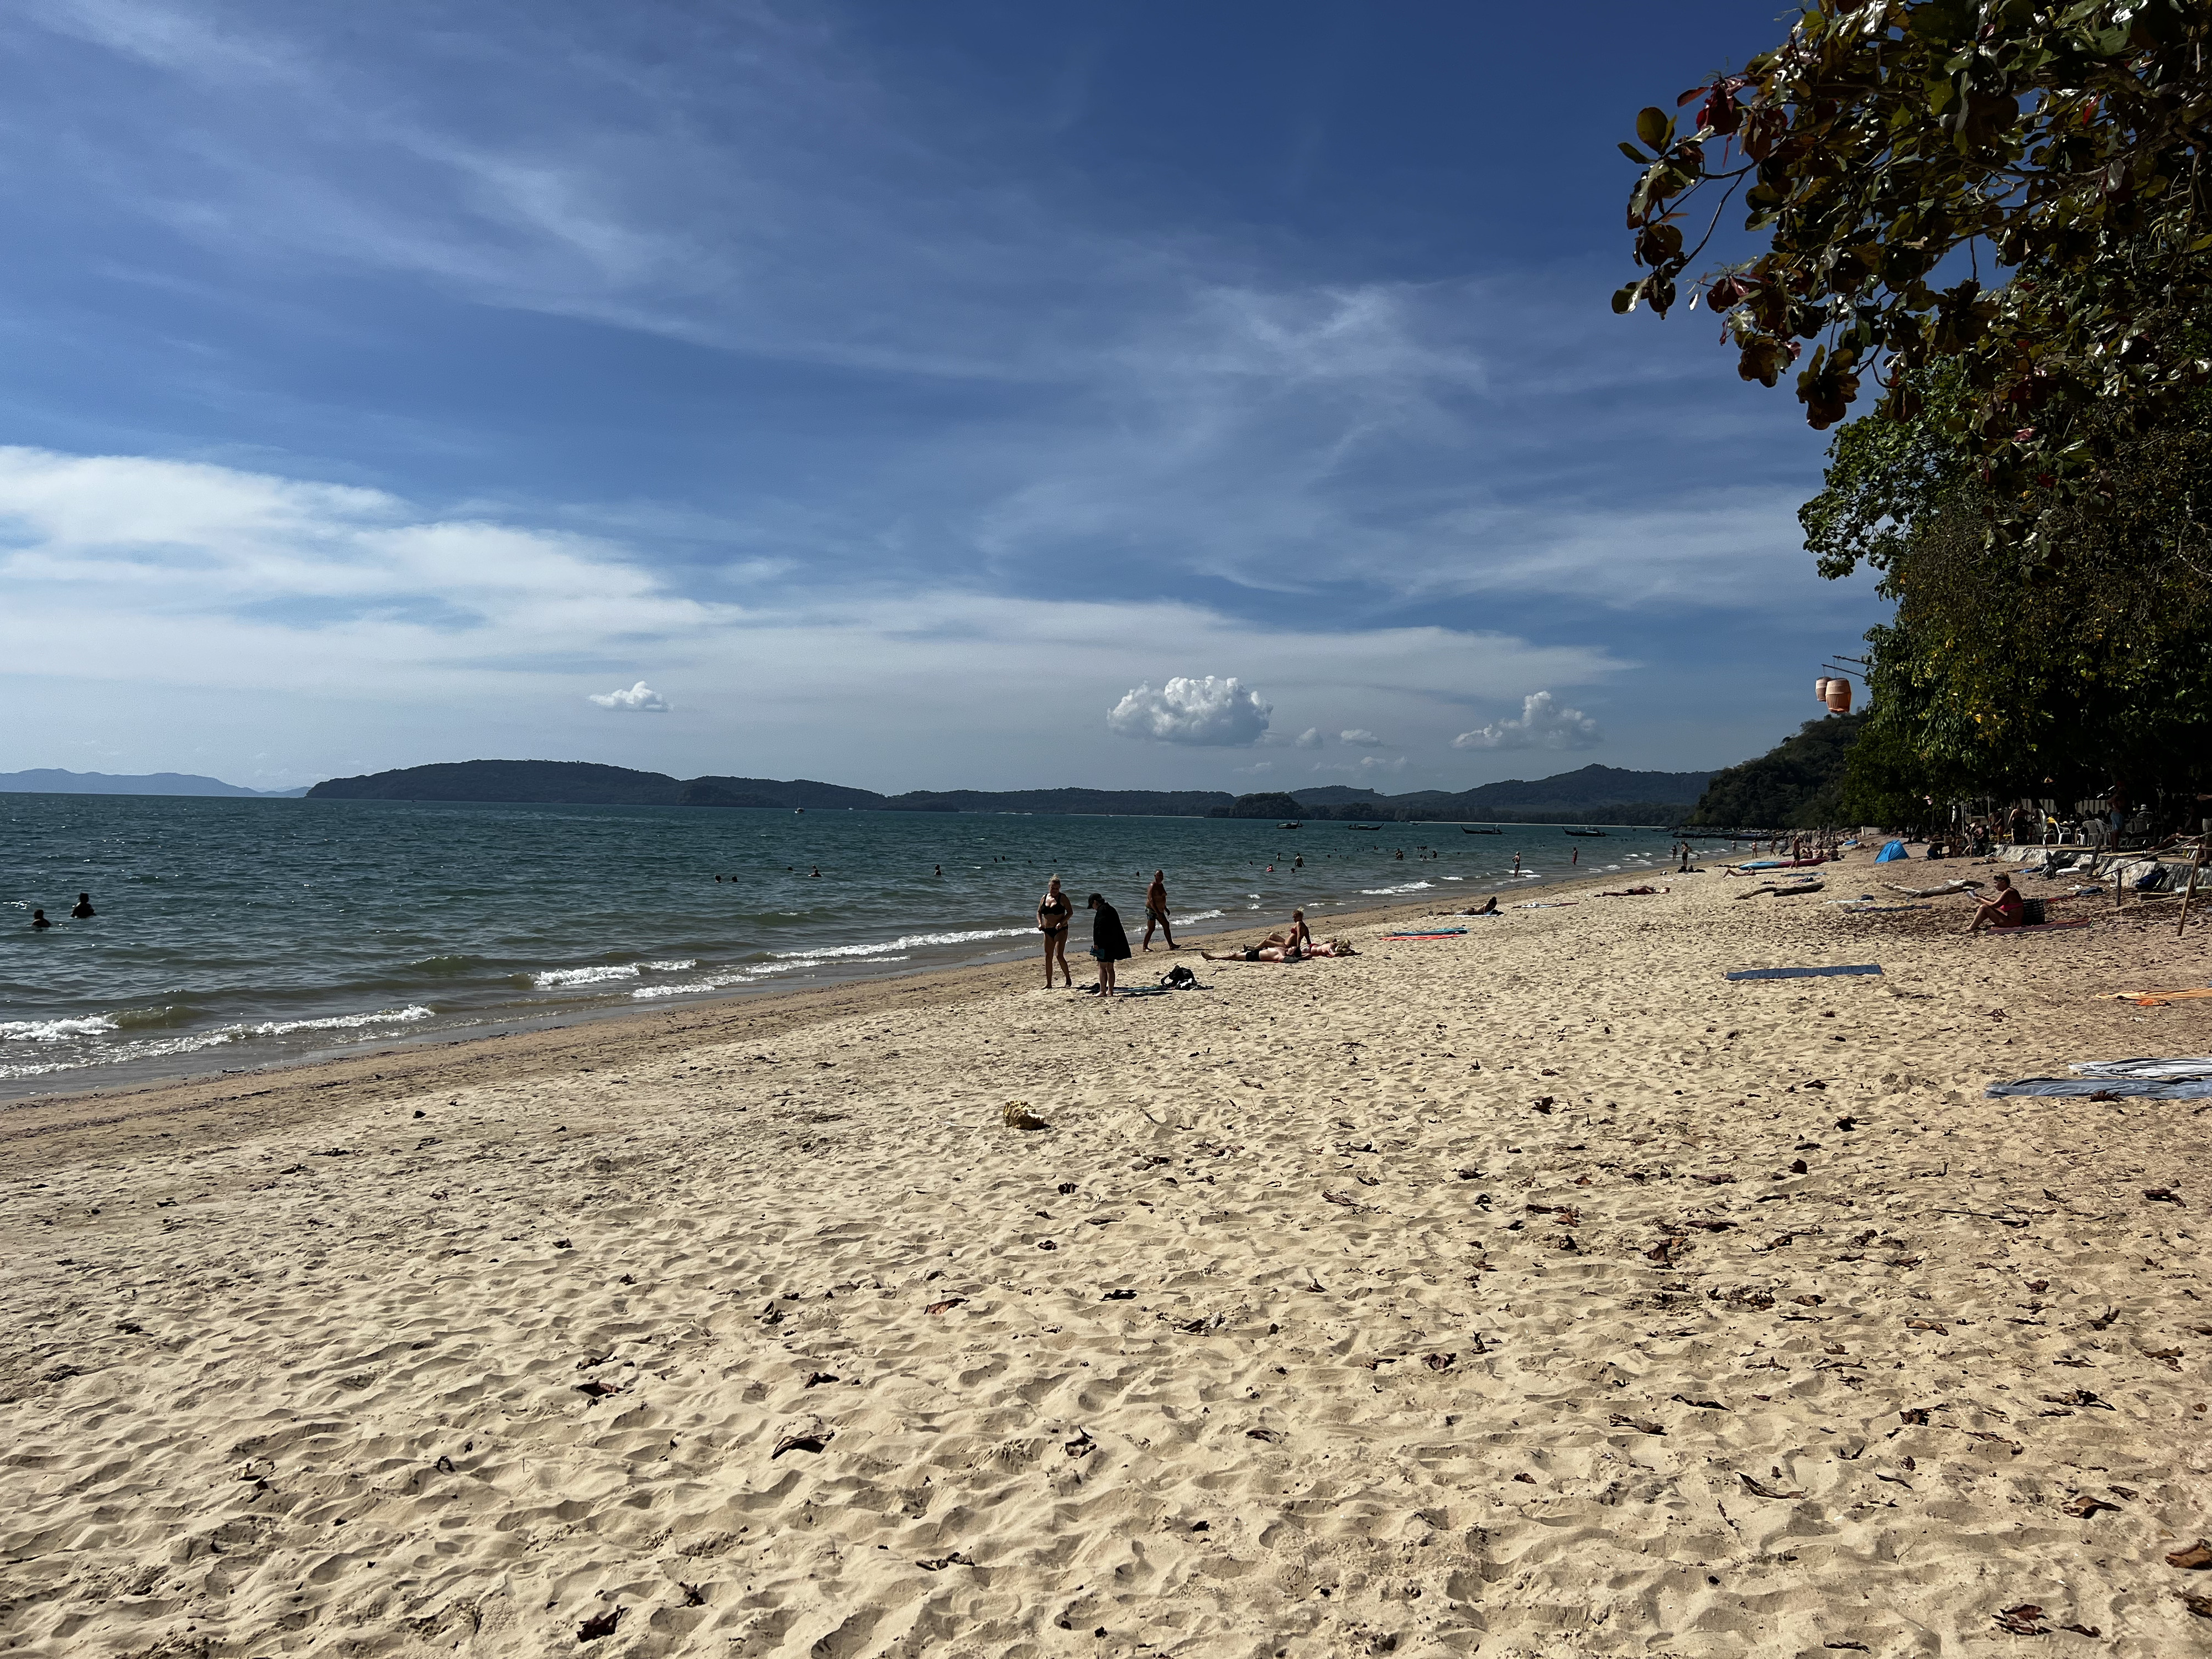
(39, 920)
(1108, 944)
(84, 906)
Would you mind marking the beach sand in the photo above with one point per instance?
(1532, 1292)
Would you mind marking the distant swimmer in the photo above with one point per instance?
(940, 869)
(816, 872)
(1299, 862)
(84, 906)
(1155, 911)
(39, 920)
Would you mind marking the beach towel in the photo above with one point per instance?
(1433, 932)
(1853, 907)
(1891, 852)
(1961, 886)
(2155, 1071)
(1803, 972)
(2195, 1088)
(2157, 999)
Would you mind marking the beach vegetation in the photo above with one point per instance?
(2012, 194)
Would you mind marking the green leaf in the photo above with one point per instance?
(1635, 154)
(1654, 126)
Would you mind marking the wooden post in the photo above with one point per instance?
(2189, 892)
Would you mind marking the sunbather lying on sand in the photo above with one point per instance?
(1633, 892)
(1279, 947)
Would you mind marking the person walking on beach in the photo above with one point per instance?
(83, 908)
(1109, 943)
(1155, 911)
(1055, 911)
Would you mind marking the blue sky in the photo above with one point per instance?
(906, 395)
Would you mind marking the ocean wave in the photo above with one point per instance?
(551, 978)
(54, 1030)
(122, 1053)
(1202, 916)
(1407, 887)
(684, 966)
(334, 1023)
(740, 976)
(905, 942)
(141, 1019)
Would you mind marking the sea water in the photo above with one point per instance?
(238, 934)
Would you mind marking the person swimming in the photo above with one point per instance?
(39, 920)
(83, 907)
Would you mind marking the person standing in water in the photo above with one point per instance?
(1109, 943)
(1055, 911)
(38, 923)
(1155, 911)
(83, 908)
(1516, 864)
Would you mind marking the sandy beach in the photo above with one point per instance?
(1535, 1291)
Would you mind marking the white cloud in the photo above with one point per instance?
(640, 699)
(1257, 769)
(348, 630)
(1543, 724)
(1360, 739)
(1220, 712)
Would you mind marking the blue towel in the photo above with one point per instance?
(2195, 1088)
(1803, 972)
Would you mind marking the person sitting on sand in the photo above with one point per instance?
(1155, 911)
(83, 907)
(1109, 943)
(2003, 909)
(1055, 911)
(38, 920)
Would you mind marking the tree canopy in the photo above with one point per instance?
(1900, 157)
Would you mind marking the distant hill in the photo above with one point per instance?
(1600, 795)
(1595, 794)
(580, 783)
(1796, 785)
(51, 780)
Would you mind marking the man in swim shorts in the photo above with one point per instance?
(1155, 911)
(1055, 911)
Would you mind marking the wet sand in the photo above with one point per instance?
(1535, 1291)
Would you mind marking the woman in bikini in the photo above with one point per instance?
(1055, 911)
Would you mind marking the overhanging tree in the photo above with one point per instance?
(1900, 158)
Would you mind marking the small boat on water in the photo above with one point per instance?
(1367, 826)
(1290, 826)
(1464, 830)
(1586, 832)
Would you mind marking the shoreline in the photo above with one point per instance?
(540, 1049)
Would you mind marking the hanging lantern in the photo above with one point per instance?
(1820, 689)
(1839, 696)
